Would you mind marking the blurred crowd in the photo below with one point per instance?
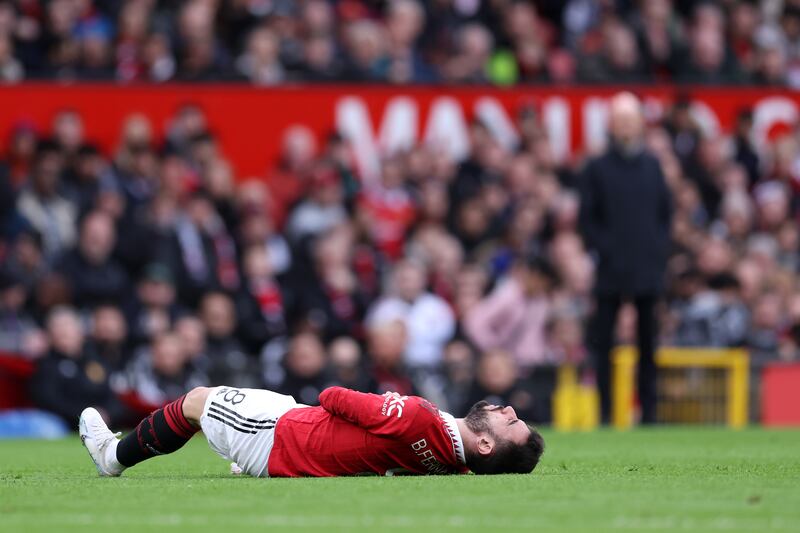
(270, 42)
(131, 277)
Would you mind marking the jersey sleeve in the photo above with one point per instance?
(389, 414)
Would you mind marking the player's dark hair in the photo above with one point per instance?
(510, 458)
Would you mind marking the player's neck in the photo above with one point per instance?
(468, 437)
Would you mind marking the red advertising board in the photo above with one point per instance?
(250, 121)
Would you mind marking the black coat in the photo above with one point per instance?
(626, 212)
(65, 386)
(94, 284)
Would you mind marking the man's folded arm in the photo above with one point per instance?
(386, 415)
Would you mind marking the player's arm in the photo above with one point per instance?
(388, 414)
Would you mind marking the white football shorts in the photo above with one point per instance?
(240, 425)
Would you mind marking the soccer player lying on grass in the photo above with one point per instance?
(269, 434)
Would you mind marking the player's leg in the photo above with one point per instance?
(164, 431)
(194, 403)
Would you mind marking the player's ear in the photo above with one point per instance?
(485, 444)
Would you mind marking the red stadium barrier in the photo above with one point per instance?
(15, 374)
(251, 121)
(780, 395)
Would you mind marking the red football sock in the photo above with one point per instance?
(163, 431)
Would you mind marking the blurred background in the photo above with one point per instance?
(385, 195)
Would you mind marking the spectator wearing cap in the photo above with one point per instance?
(94, 275)
(514, 316)
(625, 218)
(94, 36)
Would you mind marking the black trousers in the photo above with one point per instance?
(601, 342)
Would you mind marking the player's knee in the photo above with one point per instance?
(194, 402)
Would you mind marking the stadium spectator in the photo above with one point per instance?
(263, 304)
(108, 336)
(19, 333)
(347, 364)
(625, 215)
(321, 210)
(497, 382)
(514, 316)
(305, 364)
(42, 205)
(191, 253)
(154, 307)
(162, 372)
(459, 373)
(400, 42)
(385, 345)
(69, 377)
(330, 299)
(229, 361)
(94, 275)
(187, 224)
(428, 319)
(11, 69)
(24, 259)
(260, 62)
(192, 335)
(386, 210)
(708, 59)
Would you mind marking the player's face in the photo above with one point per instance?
(505, 424)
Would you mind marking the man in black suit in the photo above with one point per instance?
(625, 219)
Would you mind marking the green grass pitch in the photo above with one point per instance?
(671, 479)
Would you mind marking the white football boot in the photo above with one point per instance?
(100, 442)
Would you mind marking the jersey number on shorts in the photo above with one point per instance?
(233, 396)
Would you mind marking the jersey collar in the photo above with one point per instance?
(455, 436)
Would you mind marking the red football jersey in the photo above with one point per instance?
(353, 433)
